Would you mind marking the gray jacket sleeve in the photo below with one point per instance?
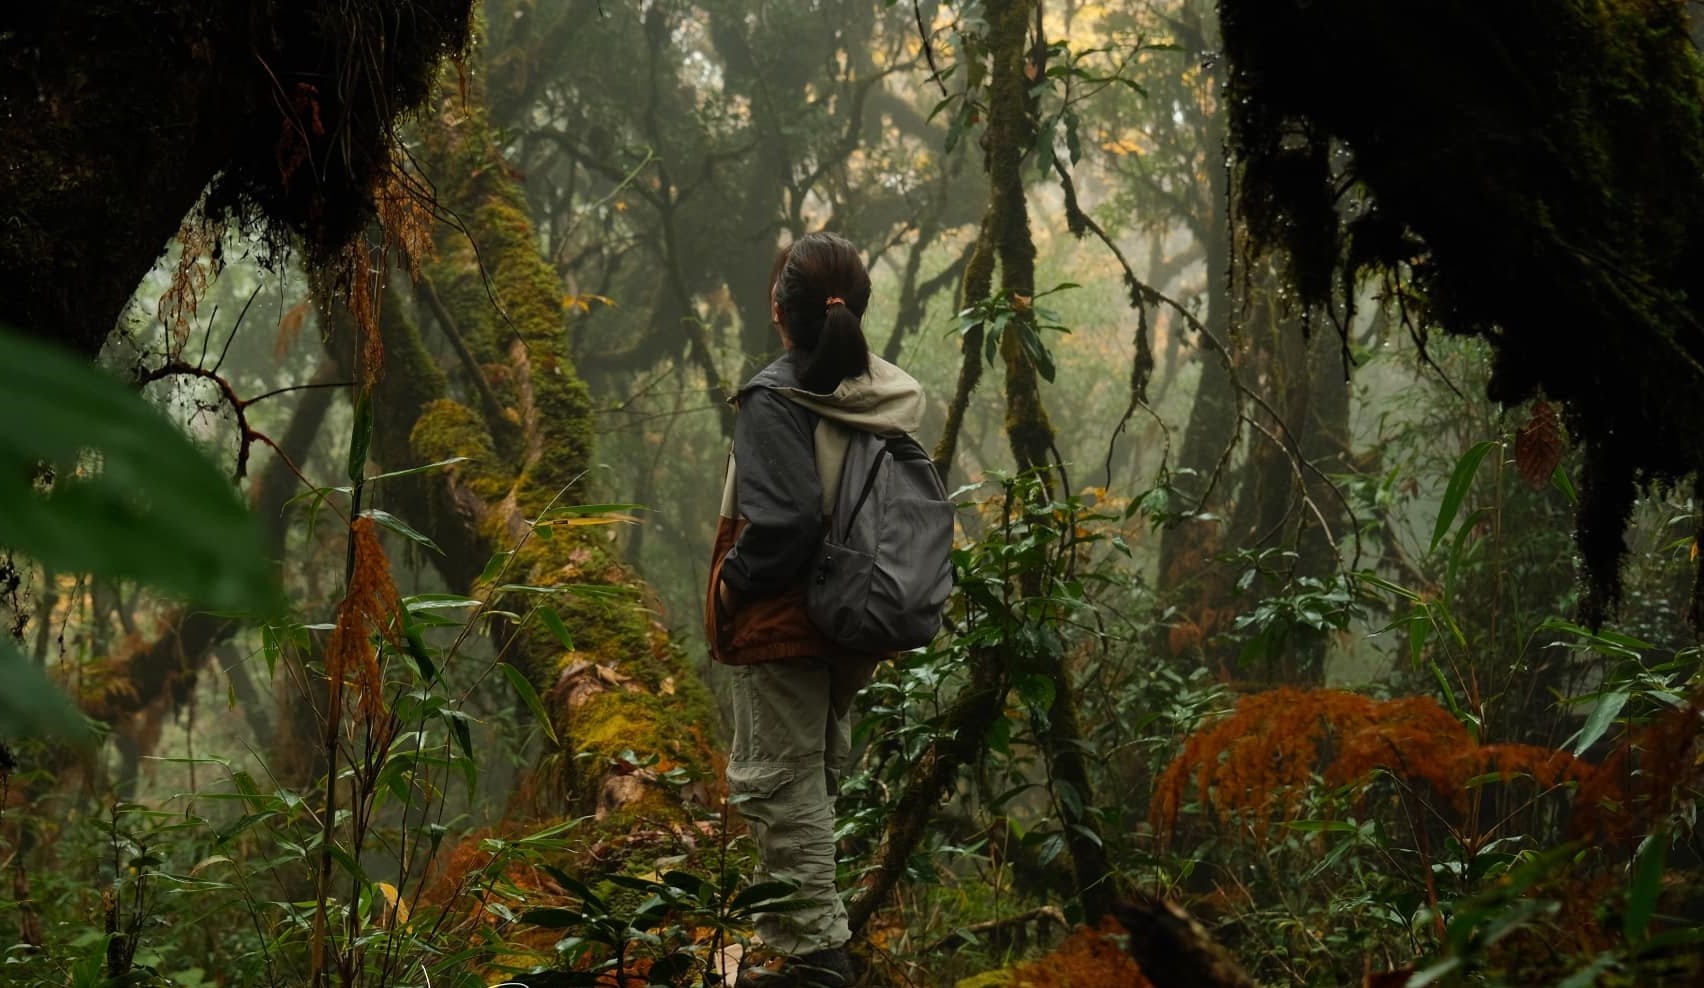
(777, 492)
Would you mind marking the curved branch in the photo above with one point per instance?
(247, 435)
(489, 406)
(1139, 291)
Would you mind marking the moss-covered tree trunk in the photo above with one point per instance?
(516, 409)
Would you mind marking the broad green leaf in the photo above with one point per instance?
(1460, 482)
(762, 894)
(999, 739)
(553, 918)
(132, 498)
(1069, 799)
(31, 705)
(1037, 690)
(686, 881)
(1642, 892)
(1602, 715)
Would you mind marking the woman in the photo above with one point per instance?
(792, 689)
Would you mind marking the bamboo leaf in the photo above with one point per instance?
(1587, 976)
(1460, 482)
(558, 629)
(1419, 629)
(401, 528)
(529, 696)
(1642, 893)
(361, 436)
(1602, 715)
(438, 601)
(411, 471)
(458, 726)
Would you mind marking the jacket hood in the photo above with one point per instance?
(886, 400)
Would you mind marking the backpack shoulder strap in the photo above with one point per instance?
(832, 440)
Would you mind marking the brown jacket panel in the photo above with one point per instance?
(761, 629)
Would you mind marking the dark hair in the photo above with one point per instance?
(816, 268)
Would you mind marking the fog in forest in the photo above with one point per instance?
(1318, 407)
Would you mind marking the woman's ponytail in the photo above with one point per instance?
(840, 352)
(821, 289)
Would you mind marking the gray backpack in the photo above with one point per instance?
(882, 574)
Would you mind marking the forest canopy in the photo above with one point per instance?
(1317, 385)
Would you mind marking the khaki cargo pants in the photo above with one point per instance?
(792, 741)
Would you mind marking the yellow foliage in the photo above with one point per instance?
(583, 303)
(1123, 146)
(396, 908)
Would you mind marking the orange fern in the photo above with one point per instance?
(1643, 777)
(1261, 760)
(1089, 958)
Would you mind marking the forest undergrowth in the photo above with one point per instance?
(1268, 659)
(1432, 819)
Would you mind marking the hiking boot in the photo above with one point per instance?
(830, 968)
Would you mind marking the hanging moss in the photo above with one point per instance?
(1535, 168)
(117, 114)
